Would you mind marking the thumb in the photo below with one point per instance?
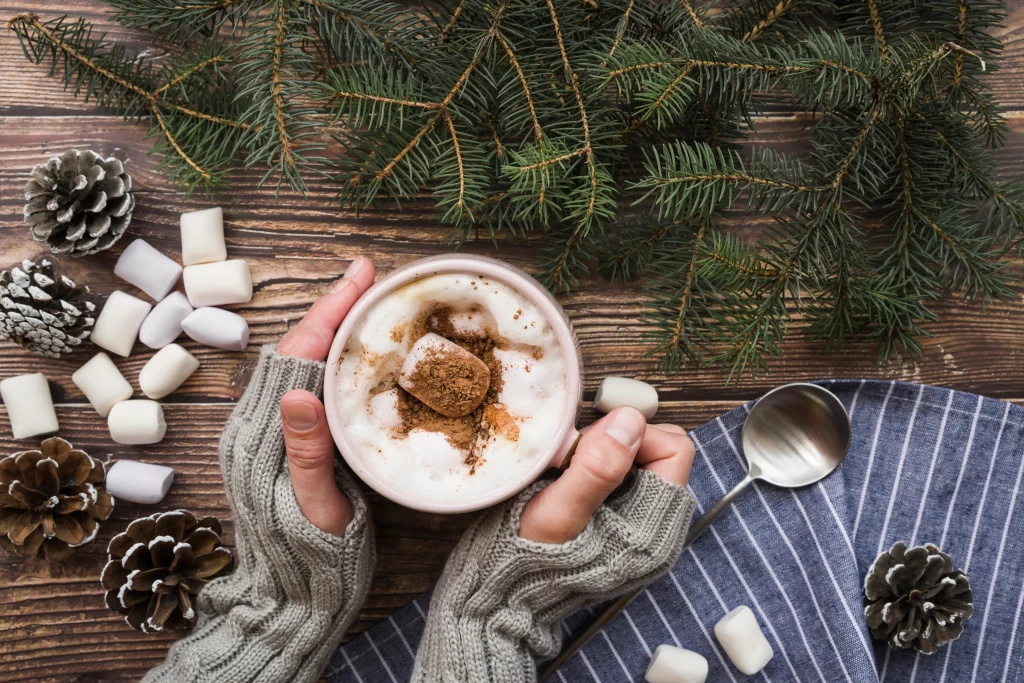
(603, 457)
(310, 449)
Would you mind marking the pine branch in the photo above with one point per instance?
(128, 83)
(617, 130)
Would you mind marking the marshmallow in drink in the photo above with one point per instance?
(166, 371)
(139, 482)
(202, 237)
(616, 392)
(671, 664)
(743, 641)
(136, 422)
(147, 269)
(29, 405)
(217, 328)
(443, 375)
(119, 322)
(163, 324)
(102, 383)
(217, 284)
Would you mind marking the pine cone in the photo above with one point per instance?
(159, 564)
(915, 599)
(43, 313)
(78, 202)
(51, 500)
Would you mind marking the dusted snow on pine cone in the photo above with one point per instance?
(52, 500)
(916, 599)
(159, 565)
(78, 202)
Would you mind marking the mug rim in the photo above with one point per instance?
(484, 266)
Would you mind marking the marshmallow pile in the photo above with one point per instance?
(210, 280)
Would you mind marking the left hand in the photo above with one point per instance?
(307, 439)
(604, 456)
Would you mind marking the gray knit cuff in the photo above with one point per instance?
(274, 376)
(636, 536)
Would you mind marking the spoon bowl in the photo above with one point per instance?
(796, 435)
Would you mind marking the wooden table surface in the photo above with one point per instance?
(53, 623)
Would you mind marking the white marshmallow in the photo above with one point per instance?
(149, 270)
(136, 422)
(119, 322)
(217, 328)
(102, 383)
(217, 284)
(29, 405)
(743, 641)
(166, 371)
(202, 236)
(671, 664)
(616, 392)
(163, 324)
(139, 482)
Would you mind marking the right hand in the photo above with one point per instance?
(605, 454)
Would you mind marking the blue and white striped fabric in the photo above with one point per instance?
(926, 465)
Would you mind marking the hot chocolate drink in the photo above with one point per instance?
(451, 386)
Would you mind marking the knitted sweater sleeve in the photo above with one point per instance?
(295, 589)
(496, 611)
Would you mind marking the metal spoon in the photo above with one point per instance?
(794, 436)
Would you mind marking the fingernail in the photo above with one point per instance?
(358, 263)
(353, 268)
(626, 426)
(299, 415)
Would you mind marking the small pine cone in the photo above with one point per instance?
(51, 500)
(79, 203)
(916, 599)
(158, 566)
(43, 313)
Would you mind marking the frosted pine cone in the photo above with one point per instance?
(916, 599)
(159, 564)
(79, 203)
(41, 312)
(52, 500)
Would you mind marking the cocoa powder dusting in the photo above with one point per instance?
(471, 432)
(449, 381)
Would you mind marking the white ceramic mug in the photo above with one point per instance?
(562, 442)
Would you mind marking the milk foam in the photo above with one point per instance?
(424, 463)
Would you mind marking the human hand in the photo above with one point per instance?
(307, 439)
(603, 458)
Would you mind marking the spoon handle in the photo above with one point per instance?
(708, 518)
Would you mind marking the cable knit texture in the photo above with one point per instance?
(296, 589)
(496, 611)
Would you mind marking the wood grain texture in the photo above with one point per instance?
(53, 625)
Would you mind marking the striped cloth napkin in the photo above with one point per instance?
(926, 465)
